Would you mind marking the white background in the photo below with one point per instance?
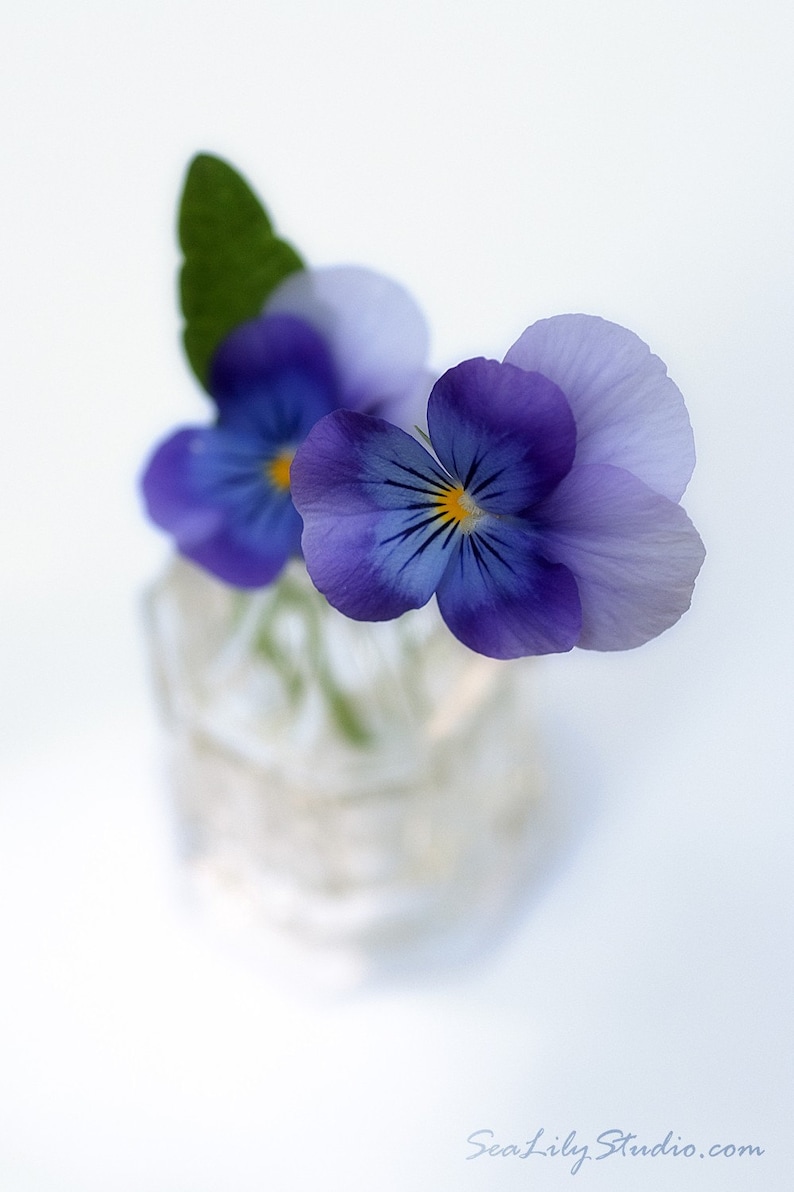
(506, 162)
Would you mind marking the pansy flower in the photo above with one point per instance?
(546, 518)
(329, 338)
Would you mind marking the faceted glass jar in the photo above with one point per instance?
(352, 798)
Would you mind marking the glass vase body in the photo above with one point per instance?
(352, 798)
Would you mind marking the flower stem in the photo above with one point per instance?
(289, 629)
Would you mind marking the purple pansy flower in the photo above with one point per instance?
(328, 338)
(549, 517)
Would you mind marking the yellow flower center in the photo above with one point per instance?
(277, 470)
(456, 506)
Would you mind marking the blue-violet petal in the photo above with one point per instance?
(208, 487)
(501, 598)
(375, 537)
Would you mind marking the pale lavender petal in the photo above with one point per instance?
(377, 334)
(628, 412)
(409, 411)
(635, 554)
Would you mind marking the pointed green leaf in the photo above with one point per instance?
(233, 259)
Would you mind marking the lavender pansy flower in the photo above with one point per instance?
(329, 338)
(549, 517)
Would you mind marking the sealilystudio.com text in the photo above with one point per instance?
(610, 1144)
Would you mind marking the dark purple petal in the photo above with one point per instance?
(374, 540)
(507, 435)
(206, 487)
(273, 376)
(628, 412)
(635, 554)
(501, 598)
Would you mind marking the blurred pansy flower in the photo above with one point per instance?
(327, 338)
(548, 517)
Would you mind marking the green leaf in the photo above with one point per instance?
(233, 259)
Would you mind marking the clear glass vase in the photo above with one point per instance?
(352, 798)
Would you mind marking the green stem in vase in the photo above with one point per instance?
(305, 663)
